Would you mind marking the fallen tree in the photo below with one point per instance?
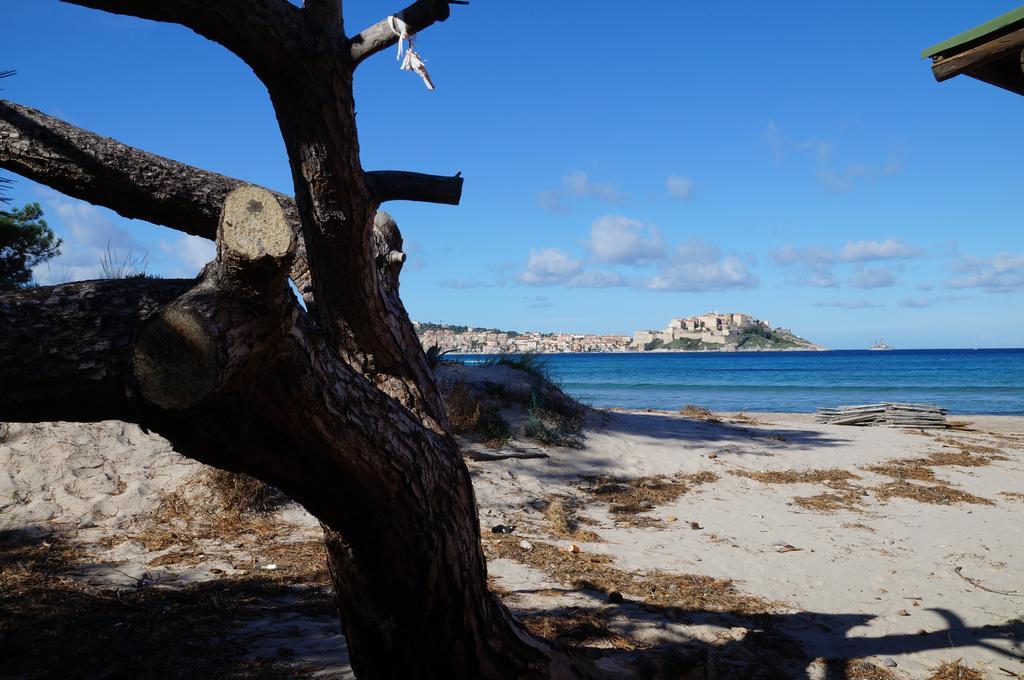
(335, 404)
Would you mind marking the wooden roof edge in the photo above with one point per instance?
(1005, 23)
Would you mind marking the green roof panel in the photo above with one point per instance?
(984, 29)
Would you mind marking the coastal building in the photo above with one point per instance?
(713, 328)
(467, 340)
(711, 331)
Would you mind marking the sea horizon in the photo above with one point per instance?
(966, 381)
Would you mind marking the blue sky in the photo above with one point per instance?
(625, 162)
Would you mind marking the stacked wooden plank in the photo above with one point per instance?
(887, 414)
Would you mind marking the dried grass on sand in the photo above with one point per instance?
(826, 476)
(563, 522)
(57, 624)
(955, 670)
(210, 509)
(841, 494)
(935, 494)
(844, 495)
(922, 469)
(579, 627)
(699, 413)
(858, 669)
(587, 571)
(630, 496)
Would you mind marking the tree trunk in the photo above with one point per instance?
(233, 373)
(338, 406)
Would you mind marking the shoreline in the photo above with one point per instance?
(802, 416)
(807, 350)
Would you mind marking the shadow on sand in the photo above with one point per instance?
(710, 433)
(54, 625)
(768, 646)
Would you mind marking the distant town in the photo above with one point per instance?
(713, 331)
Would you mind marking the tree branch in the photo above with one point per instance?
(141, 185)
(255, 243)
(396, 185)
(260, 32)
(131, 182)
(417, 16)
(65, 350)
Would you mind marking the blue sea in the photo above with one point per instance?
(964, 381)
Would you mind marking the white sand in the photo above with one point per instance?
(856, 572)
(844, 591)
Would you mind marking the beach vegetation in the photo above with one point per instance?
(26, 241)
(435, 356)
(115, 264)
(757, 337)
(553, 427)
(472, 412)
(529, 362)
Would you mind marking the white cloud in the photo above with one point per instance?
(465, 284)
(553, 267)
(866, 251)
(540, 302)
(849, 304)
(873, 277)
(549, 267)
(699, 266)
(811, 255)
(89, 225)
(596, 279)
(679, 187)
(812, 265)
(577, 184)
(615, 239)
(191, 252)
(921, 302)
(999, 274)
(696, 250)
(92, 234)
(88, 232)
(835, 177)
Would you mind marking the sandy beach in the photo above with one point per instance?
(787, 548)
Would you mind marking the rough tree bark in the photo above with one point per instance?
(336, 406)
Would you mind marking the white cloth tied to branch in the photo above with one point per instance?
(412, 61)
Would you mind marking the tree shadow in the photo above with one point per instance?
(711, 433)
(771, 645)
(54, 624)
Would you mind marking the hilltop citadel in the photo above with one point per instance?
(707, 332)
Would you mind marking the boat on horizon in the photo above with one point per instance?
(880, 345)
